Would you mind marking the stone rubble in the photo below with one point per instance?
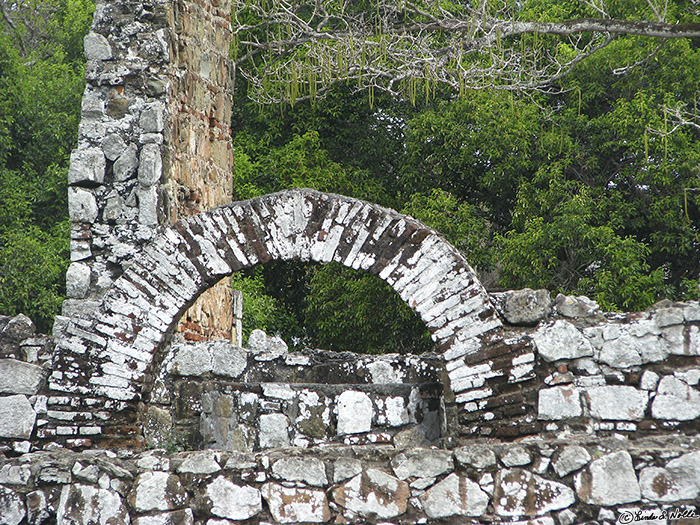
(353, 484)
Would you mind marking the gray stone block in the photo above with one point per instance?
(150, 164)
(77, 280)
(152, 118)
(617, 402)
(561, 340)
(454, 496)
(675, 400)
(232, 501)
(609, 480)
(87, 165)
(82, 205)
(18, 377)
(125, 166)
(526, 307)
(113, 146)
(97, 47)
(18, 417)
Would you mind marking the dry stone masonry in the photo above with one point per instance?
(154, 142)
(533, 482)
(531, 411)
(109, 357)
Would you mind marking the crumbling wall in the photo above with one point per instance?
(154, 143)
(215, 395)
(529, 483)
(571, 368)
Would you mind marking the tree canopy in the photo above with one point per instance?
(41, 82)
(554, 143)
(582, 183)
(287, 49)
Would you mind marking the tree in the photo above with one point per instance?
(291, 49)
(41, 82)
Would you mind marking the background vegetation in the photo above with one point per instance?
(591, 187)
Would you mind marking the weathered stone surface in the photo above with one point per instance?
(617, 402)
(559, 402)
(18, 377)
(526, 307)
(675, 400)
(355, 412)
(113, 146)
(77, 280)
(89, 505)
(157, 491)
(296, 505)
(518, 492)
(273, 431)
(232, 501)
(125, 166)
(570, 459)
(373, 493)
(561, 340)
(12, 510)
(345, 468)
(14, 474)
(679, 481)
(259, 342)
(18, 417)
(454, 496)
(150, 164)
(311, 471)
(622, 351)
(609, 480)
(157, 426)
(191, 360)
(89, 473)
(479, 457)
(152, 118)
(576, 306)
(516, 456)
(82, 206)
(96, 47)
(200, 463)
(228, 360)
(87, 165)
(422, 463)
(176, 517)
(649, 380)
(38, 508)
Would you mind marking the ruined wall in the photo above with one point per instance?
(612, 453)
(214, 395)
(576, 369)
(154, 142)
(529, 483)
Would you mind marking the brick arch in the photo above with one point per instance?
(142, 307)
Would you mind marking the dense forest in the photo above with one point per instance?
(588, 184)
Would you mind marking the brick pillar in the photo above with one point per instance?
(154, 143)
(200, 150)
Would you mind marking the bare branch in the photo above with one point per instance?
(290, 49)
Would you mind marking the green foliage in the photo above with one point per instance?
(459, 222)
(348, 310)
(41, 82)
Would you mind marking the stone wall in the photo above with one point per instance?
(580, 370)
(534, 482)
(215, 395)
(324, 437)
(154, 142)
(110, 355)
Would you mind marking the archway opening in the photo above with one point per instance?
(329, 306)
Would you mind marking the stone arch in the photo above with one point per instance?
(121, 337)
